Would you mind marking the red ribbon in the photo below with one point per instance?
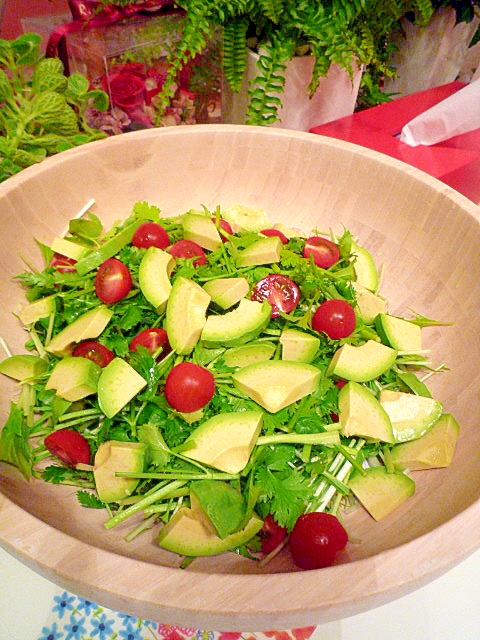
(91, 13)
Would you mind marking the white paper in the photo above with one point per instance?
(456, 114)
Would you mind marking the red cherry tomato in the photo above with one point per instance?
(281, 293)
(113, 281)
(152, 339)
(150, 234)
(69, 446)
(315, 540)
(271, 534)
(324, 252)
(225, 226)
(334, 317)
(63, 264)
(275, 232)
(189, 387)
(188, 249)
(93, 350)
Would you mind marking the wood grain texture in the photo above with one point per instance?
(425, 235)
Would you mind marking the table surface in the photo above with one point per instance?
(446, 609)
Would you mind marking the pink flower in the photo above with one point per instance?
(172, 632)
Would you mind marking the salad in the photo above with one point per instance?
(235, 383)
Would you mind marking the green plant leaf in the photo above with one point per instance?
(99, 99)
(26, 48)
(14, 446)
(48, 76)
(28, 157)
(65, 124)
(6, 92)
(48, 106)
(77, 86)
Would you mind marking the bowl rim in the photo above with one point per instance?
(170, 592)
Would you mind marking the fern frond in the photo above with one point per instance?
(197, 29)
(272, 9)
(235, 52)
(264, 100)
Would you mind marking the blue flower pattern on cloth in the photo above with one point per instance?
(74, 618)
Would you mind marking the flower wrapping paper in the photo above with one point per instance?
(74, 618)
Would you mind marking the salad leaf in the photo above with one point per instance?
(14, 442)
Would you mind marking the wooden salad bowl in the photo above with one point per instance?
(426, 236)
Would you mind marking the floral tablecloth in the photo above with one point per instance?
(74, 618)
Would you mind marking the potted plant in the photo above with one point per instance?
(428, 55)
(42, 110)
(344, 34)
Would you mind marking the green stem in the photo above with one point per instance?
(327, 438)
(143, 526)
(181, 475)
(161, 494)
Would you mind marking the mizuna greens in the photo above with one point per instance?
(304, 454)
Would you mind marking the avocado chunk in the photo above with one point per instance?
(411, 415)
(433, 450)
(227, 291)
(202, 230)
(298, 346)
(186, 314)
(263, 251)
(23, 366)
(275, 384)
(362, 363)
(94, 258)
(89, 325)
(220, 506)
(246, 218)
(361, 414)
(118, 384)
(364, 267)
(115, 456)
(381, 492)
(236, 327)
(68, 248)
(154, 273)
(248, 354)
(33, 311)
(74, 378)
(224, 441)
(399, 333)
(187, 535)
(369, 304)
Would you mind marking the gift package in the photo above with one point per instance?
(436, 130)
(124, 49)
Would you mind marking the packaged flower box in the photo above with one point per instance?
(126, 57)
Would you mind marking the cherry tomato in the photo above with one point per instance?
(150, 234)
(188, 249)
(281, 293)
(69, 446)
(315, 540)
(225, 226)
(334, 317)
(324, 252)
(152, 339)
(93, 350)
(275, 232)
(189, 387)
(63, 264)
(271, 534)
(113, 281)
